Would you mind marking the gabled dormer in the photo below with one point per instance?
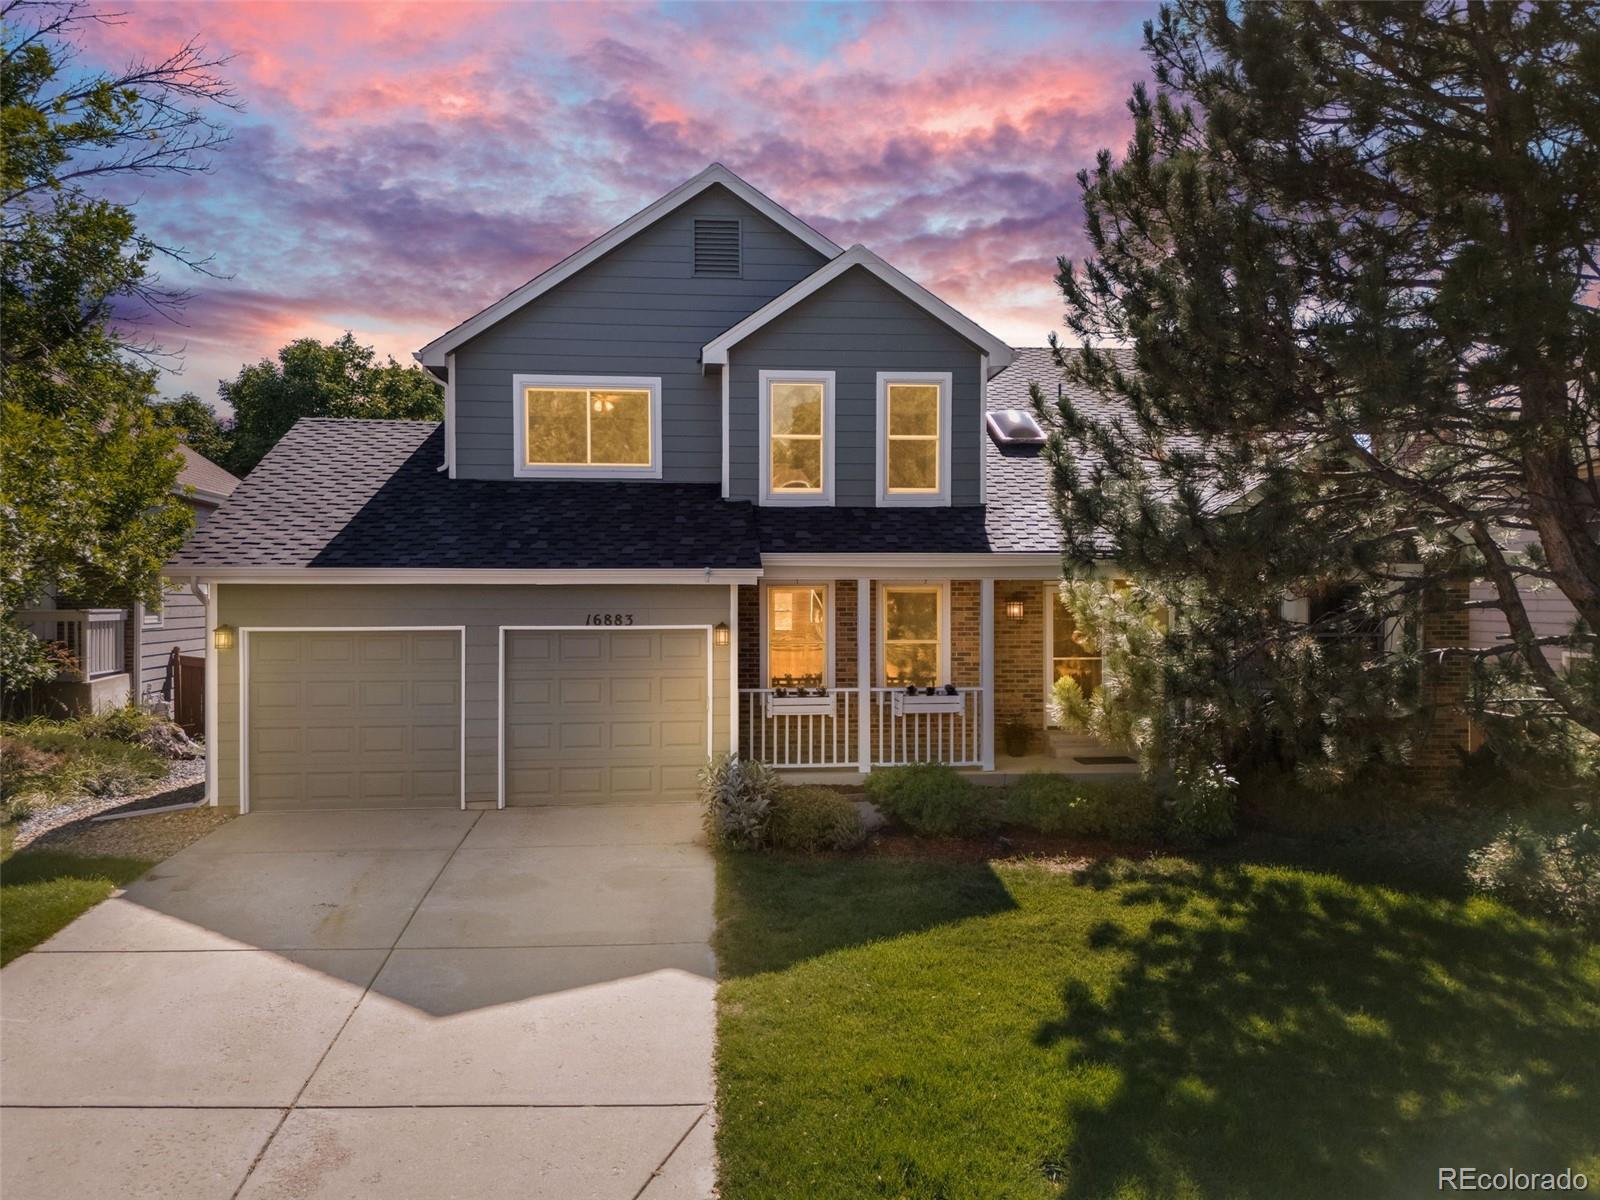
(714, 337)
(858, 387)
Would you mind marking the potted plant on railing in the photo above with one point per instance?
(946, 699)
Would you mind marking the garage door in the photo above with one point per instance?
(605, 715)
(354, 720)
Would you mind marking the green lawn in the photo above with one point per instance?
(40, 892)
(895, 1028)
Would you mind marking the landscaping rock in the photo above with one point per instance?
(871, 819)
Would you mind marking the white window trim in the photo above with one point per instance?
(764, 407)
(941, 498)
(942, 586)
(830, 604)
(1051, 599)
(519, 421)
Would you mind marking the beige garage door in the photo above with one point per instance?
(604, 715)
(354, 720)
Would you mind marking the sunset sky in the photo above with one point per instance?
(397, 167)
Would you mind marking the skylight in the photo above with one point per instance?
(1014, 427)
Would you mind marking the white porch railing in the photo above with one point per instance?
(94, 637)
(899, 729)
(799, 739)
(902, 734)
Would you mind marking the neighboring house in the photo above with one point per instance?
(711, 483)
(1549, 611)
(139, 654)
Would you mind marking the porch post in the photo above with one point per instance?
(864, 675)
(213, 719)
(733, 669)
(986, 666)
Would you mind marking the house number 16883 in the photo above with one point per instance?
(608, 619)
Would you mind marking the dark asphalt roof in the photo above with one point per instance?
(342, 493)
(345, 493)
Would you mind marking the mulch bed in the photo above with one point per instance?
(152, 837)
(181, 774)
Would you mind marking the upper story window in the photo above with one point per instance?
(914, 438)
(797, 437)
(797, 635)
(570, 426)
(915, 649)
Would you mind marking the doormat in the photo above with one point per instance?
(1103, 760)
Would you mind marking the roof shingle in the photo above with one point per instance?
(342, 493)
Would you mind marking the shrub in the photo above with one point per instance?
(931, 799)
(138, 727)
(48, 763)
(1555, 873)
(1124, 808)
(1202, 805)
(738, 794)
(810, 819)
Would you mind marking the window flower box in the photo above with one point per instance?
(941, 700)
(800, 702)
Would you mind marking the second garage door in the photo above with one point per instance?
(354, 719)
(608, 715)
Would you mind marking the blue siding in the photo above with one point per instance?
(636, 311)
(856, 326)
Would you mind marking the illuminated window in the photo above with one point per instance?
(797, 636)
(587, 427)
(795, 419)
(913, 441)
(1071, 655)
(913, 629)
(914, 438)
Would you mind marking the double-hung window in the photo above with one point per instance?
(915, 625)
(796, 430)
(570, 426)
(797, 635)
(914, 438)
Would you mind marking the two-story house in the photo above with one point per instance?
(712, 482)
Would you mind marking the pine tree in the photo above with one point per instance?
(1351, 253)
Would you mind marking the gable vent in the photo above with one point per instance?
(716, 247)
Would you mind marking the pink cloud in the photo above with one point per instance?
(400, 166)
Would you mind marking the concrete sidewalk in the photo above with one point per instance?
(390, 1004)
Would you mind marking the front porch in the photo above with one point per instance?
(841, 676)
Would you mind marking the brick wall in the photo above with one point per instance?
(966, 632)
(750, 636)
(1019, 659)
(1445, 625)
(844, 630)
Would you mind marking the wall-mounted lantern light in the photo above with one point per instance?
(1014, 608)
(222, 637)
(722, 634)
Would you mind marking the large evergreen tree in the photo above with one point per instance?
(1351, 251)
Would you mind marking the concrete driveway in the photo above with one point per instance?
(389, 1004)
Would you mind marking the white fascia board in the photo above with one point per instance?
(389, 576)
(715, 352)
(433, 354)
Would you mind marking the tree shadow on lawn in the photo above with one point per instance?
(775, 910)
(1276, 1034)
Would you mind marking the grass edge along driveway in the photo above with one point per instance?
(901, 1028)
(42, 891)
